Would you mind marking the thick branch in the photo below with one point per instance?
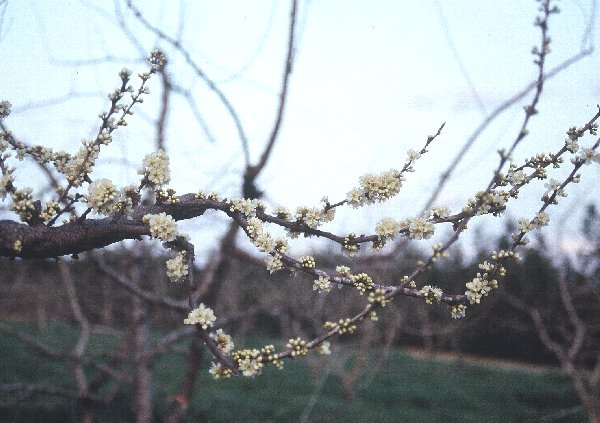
(76, 237)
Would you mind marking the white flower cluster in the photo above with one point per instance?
(249, 362)
(202, 316)
(23, 204)
(440, 212)
(322, 284)
(571, 144)
(553, 186)
(224, 341)
(162, 226)
(176, 267)
(419, 228)
(314, 217)
(387, 228)
(431, 293)
(76, 167)
(415, 228)
(246, 206)
(375, 188)
(458, 310)
(274, 263)
(297, 346)
(541, 219)
(4, 108)
(587, 155)
(479, 287)
(250, 367)
(156, 168)
(5, 180)
(217, 371)
(484, 201)
(49, 211)
(260, 238)
(103, 197)
(516, 178)
(265, 243)
(324, 348)
(524, 225)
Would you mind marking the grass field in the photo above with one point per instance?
(409, 390)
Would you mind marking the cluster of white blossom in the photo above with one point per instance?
(162, 226)
(541, 219)
(419, 228)
(217, 371)
(260, 238)
(156, 169)
(484, 201)
(515, 177)
(250, 362)
(375, 188)
(553, 186)
(5, 181)
(322, 284)
(246, 206)
(102, 197)
(4, 108)
(440, 212)
(23, 203)
(524, 225)
(225, 345)
(431, 293)
(349, 245)
(479, 287)
(437, 251)
(274, 263)
(414, 228)
(362, 282)
(224, 341)
(298, 347)
(76, 167)
(49, 211)
(387, 228)
(378, 296)
(177, 267)
(458, 311)
(324, 348)
(314, 217)
(168, 196)
(307, 262)
(587, 156)
(203, 316)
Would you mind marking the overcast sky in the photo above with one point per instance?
(371, 80)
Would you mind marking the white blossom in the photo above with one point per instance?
(323, 348)
(322, 284)
(387, 228)
(224, 341)
(176, 267)
(162, 226)
(102, 197)
(419, 228)
(156, 168)
(250, 366)
(202, 315)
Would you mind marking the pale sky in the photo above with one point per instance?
(371, 80)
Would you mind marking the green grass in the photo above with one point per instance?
(408, 390)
